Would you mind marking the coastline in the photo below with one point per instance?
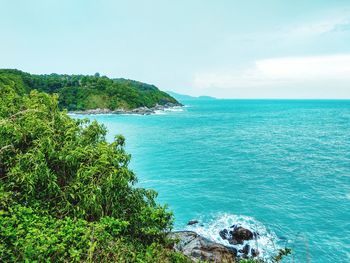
(120, 111)
(243, 235)
(237, 243)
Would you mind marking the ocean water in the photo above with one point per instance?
(280, 167)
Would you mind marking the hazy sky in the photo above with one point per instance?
(224, 48)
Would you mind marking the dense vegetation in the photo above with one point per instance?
(65, 193)
(79, 92)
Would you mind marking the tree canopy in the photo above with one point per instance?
(83, 92)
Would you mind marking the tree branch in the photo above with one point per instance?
(22, 112)
(6, 147)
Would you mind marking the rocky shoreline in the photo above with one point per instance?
(199, 248)
(139, 111)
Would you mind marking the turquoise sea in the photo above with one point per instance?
(281, 167)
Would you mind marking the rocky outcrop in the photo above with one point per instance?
(199, 248)
(140, 110)
(237, 235)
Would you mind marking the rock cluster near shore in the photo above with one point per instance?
(140, 110)
(199, 248)
(237, 235)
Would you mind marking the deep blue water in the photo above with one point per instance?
(280, 166)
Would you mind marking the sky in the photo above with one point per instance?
(221, 48)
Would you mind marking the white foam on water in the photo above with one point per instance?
(166, 110)
(90, 114)
(156, 112)
(176, 108)
(159, 112)
(266, 242)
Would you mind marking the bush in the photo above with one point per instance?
(31, 236)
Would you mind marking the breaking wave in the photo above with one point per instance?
(266, 241)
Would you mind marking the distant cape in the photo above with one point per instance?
(183, 97)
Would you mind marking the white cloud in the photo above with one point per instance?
(318, 72)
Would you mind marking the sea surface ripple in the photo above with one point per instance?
(282, 165)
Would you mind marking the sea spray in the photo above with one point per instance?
(266, 242)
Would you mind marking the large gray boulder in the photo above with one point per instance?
(198, 248)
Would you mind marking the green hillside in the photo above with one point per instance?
(66, 194)
(84, 92)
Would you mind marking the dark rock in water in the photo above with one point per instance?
(143, 111)
(245, 250)
(199, 248)
(223, 234)
(192, 222)
(237, 235)
(254, 252)
(240, 234)
(233, 241)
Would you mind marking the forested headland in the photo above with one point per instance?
(85, 92)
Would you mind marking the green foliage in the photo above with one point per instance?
(32, 236)
(281, 254)
(68, 195)
(79, 92)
